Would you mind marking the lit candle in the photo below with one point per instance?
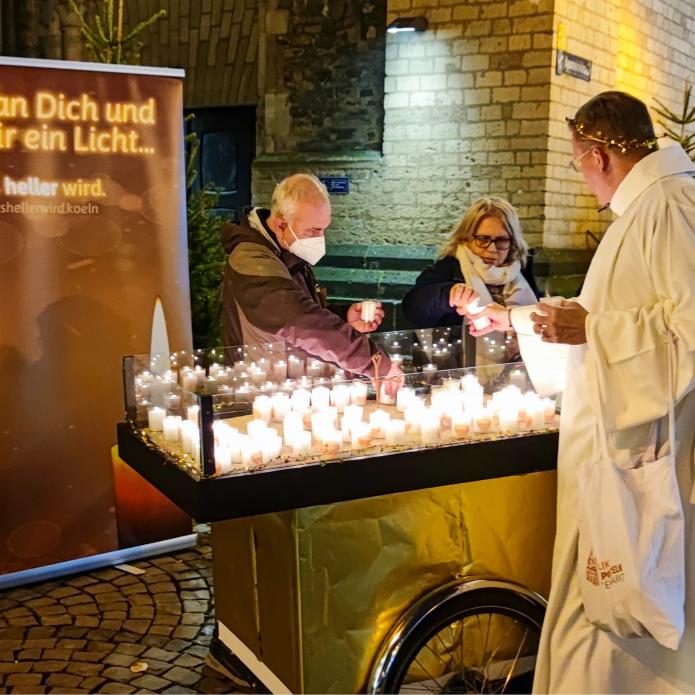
(414, 411)
(361, 435)
(295, 367)
(256, 429)
(331, 441)
(358, 392)
(460, 424)
(314, 368)
(385, 398)
(270, 446)
(320, 397)
(199, 373)
(155, 419)
(262, 408)
(171, 426)
(190, 437)
(475, 308)
(403, 397)
(223, 459)
(396, 359)
(368, 310)
(429, 427)
(300, 443)
(395, 432)
(192, 413)
(211, 385)
(509, 419)
(258, 375)
(378, 419)
(251, 453)
(482, 421)
(301, 400)
(279, 370)
(340, 396)
(189, 381)
(281, 406)
(291, 425)
(428, 372)
(549, 411)
(173, 401)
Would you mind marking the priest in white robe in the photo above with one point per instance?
(640, 286)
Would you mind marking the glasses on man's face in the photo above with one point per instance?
(502, 243)
(573, 162)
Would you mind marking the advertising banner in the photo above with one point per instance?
(92, 234)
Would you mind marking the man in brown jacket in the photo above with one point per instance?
(270, 293)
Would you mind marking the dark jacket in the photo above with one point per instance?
(427, 304)
(270, 295)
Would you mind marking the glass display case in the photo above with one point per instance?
(233, 411)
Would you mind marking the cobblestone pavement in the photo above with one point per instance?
(92, 632)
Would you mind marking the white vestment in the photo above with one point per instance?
(640, 285)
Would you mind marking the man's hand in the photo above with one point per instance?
(563, 324)
(499, 320)
(354, 318)
(392, 381)
(460, 296)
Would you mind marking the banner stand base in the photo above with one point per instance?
(85, 564)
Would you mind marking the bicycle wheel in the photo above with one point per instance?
(483, 640)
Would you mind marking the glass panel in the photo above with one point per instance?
(277, 407)
(219, 161)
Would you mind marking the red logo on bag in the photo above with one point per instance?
(591, 572)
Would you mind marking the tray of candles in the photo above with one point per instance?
(248, 430)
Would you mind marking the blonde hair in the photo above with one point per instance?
(488, 206)
(296, 189)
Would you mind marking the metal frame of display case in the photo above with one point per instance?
(275, 489)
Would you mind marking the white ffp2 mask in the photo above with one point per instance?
(311, 249)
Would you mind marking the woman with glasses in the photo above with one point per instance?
(486, 257)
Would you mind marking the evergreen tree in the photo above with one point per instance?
(676, 125)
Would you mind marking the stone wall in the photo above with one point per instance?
(322, 75)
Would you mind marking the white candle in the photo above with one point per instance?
(368, 310)
(223, 459)
(475, 308)
(314, 368)
(199, 373)
(386, 398)
(155, 419)
(509, 420)
(281, 406)
(378, 419)
(403, 397)
(262, 408)
(295, 367)
(211, 385)
(192, 413)
(270, 446)
(320, 397)
(173, 401)
(279, 370)
(460, 424)
(258, 375)
(256, 428)
(395, 432)
(189, 381)
(331, 441)
(291, 425)
(482, 421)
(189, 436)
(429, 427)
(301, 400)
(358, 392)
(300, 443)
(171, 426)
(549, 411)
(340, 397)
(251, 453)
(414, 412)
(396, 359)
(361, 435)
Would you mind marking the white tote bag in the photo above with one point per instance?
(631, 564)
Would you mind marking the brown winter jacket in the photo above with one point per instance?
(271, 295)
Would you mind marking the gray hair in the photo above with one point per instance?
(296, 189)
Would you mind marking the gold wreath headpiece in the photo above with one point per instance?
(623, 144)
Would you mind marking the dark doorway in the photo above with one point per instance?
(227, 147)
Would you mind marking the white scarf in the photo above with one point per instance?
(478, 274)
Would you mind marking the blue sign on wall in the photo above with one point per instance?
(339, 185)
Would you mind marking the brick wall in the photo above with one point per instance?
(643, 47)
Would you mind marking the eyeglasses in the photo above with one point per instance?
(573, 162)
(502, 243)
